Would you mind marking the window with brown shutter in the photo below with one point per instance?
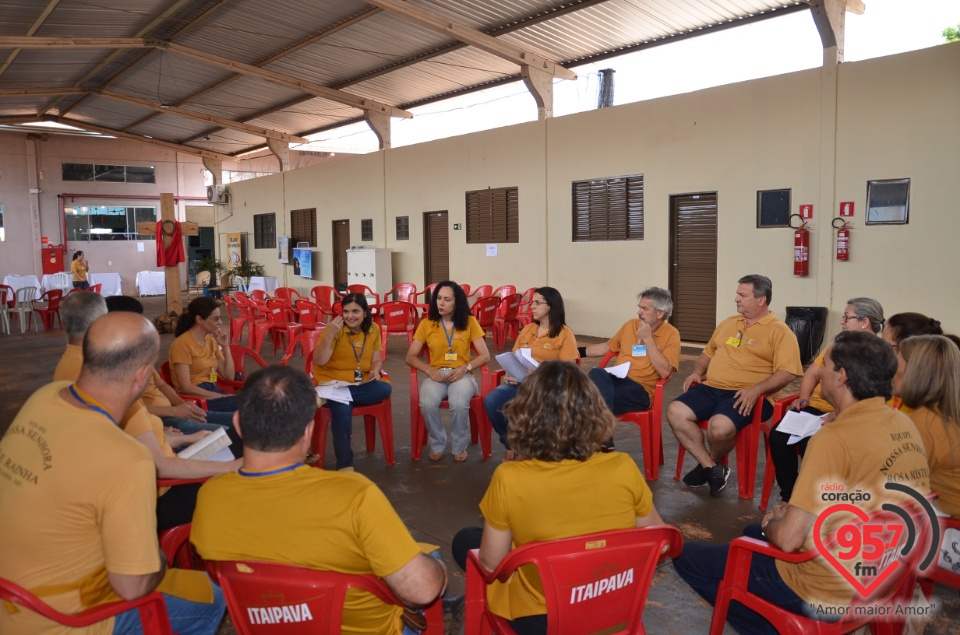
(264, 231)
(366, 229)
(608, 209)
(303, 227)
(493, 216)
(403, 228)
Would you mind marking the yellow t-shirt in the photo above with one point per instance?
(151, 394)
(346, 348)
(68, 368)
(76, 495)
(941, 440)
(431, 333)
(540, 500)
(79, 271)
(742, 357)
(201, 358)
(546, 348)
(667, 339)
(348, 527)
(867, 445)
(816, 401)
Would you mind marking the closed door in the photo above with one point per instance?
(436, 248)
(693, 271)
(341, 243)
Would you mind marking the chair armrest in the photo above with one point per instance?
(780, 407)
(742, 547)
(170, 482)
(200, 401)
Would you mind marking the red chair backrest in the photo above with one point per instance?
(483, 291)
(485, 310)
(466, 289)
(307, 340)
(232, 305)
(277, 311)
(405, 291)
(260, 295)
(285, 293)
(324, 296)
(398, 317)
(596, 583)
(307, 313)
(96, 288)
(165, 373)
(52, 298)
(280, 598)
(240, 354)
(509, 308)
(504, 290)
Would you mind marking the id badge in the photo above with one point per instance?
(733, 341)
(357, 376)
(639, 350)
(450, 356)
(213, 375)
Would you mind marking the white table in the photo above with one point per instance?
(152, 283)
(264, 283)
(110, 281)
(19, 282)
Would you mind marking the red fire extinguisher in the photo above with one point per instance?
(843, 238)
(801, 247)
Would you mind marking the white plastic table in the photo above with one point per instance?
(264, 283)
(152, 283)
(110, 281)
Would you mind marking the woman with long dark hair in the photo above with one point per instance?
(201, 353)
(547, 337)
(448, 333)
(350, 350)
(79, 268)
(900, 327)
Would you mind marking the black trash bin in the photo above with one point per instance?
(808, 323)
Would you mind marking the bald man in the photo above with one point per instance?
(78, 496)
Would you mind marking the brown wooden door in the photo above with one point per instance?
(693, 272)
(341, 243)
(436, 248)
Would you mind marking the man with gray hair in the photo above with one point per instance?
(651, 346)
(77, 311)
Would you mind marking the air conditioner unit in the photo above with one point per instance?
(217, 194)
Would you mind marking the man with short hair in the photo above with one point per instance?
(866, 446)
(77, 495)
(649, 344)
(750, 354)
(77, 311)
(279, 510)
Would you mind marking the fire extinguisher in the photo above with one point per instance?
(843, 238)
(801, 247)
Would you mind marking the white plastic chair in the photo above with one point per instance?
(4, 318)
(62, 281)
(241, 283)
(24, 307)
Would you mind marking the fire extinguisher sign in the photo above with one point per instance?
(806, 211)
(846, 208)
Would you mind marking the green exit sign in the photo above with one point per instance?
(457, 226)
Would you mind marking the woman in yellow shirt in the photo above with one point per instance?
(547, 337)
(349, 350)
(448, 333)
(79, 268)
(201, 353)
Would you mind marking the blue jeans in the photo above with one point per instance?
(458, 395)
(186, 618)
(621, 395)
(227, 403)
(702, 565)
(493, 403)
(215, 421)
(365, 394)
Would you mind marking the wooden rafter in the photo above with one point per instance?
(51, 5)
(76, 123)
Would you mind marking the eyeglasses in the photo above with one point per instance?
(845, 317)
(215, 319)
(539, 302)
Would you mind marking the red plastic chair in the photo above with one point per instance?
(258, 588)
(8, 295)
(259, 295)
(239, 317)
(405, 292)
(368, 292)
(626, 558)
(525, 313)
(935, 574)
(153, 611)
(748, 444)
(96, 288)
(307, 313)
(898, 587)
(650, 424)
(779, 410)
(51, 311)
(240, 354)
(287, 293)
(506, 324)
(165, 375)
(480, 428)
(483, 291)
(485, 310)
(378, 414)
(175, 542)
(324, 296)
(504, 290)
(280, 329)
(466, 289)
(397, 318)
(307, 342)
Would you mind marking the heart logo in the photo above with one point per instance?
(864, 591)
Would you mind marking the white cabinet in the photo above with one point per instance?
(371, 267)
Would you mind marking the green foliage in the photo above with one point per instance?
(247, 268)
(214, 266)
(951, 34)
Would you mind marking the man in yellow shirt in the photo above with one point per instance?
(78, 311)
(750, 354)
(277, 509)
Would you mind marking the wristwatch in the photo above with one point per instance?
(469, 367)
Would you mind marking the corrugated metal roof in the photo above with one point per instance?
(348, 45)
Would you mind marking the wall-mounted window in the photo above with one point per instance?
(403, 228)
(107, 222)
(366, 229)
(493, 216)
(108, 173)
(888, 202)
(303, 227)
(773, 208)
(608, 209)
(264, 231)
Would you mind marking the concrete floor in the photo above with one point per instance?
(437, 499)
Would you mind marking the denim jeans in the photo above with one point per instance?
(493, 403)
(621, 395)
(458, 395)
(186, 618)
(215, 420)
(227, 403)
(341, 425)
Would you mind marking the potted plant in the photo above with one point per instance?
(247, 268)
(214, 266)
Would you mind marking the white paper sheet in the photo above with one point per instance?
(336, 391)
(620, 370)
(799, 425)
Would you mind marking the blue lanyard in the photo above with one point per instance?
(285, 468)
(89, 405)
(354, 348)
(449, 336)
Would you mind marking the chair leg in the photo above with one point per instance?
(768, 474)
(747, 448)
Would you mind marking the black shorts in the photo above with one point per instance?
(707, 402)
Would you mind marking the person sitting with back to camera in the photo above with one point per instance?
(900, 327)
(350, 350)
(547, 337)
